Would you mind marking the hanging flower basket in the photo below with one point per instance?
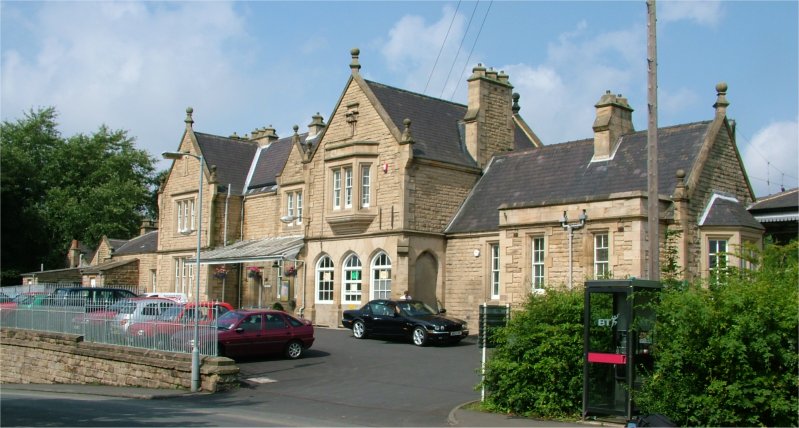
(291, 271)
(220, 272)
(253, 272)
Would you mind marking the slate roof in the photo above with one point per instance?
(436, 125)
(147, 243)
(778, 201)
(270, 162)
(564, 173)
(727, 211)
(107, 266)
(231, 156)
(116, 243)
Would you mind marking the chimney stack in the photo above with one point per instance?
(74, 254)
(147, 226)
(614, 118)
(316, 126)
(489, 117)
(264, 136)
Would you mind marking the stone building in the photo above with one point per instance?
(457, 204)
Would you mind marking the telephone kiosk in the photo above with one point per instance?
(618, 349)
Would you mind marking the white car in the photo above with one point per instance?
(178, 297)
(139, 309)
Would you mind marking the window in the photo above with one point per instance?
(601, 256)
(184, 275)
(538, 263)
(717, 257)
(365, 186)
(290, 204)
(298, 195)
(352, 279)
(495, 271)
(324, 280)
(336, 189)
(348, 187)
(381, 277)
(185, 215)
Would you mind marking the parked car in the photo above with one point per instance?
(87, 299)
(9, 311)
(112, 323)
(410, 319)
(178, 297)
(159, 331)
(4, 298)
(244, 333)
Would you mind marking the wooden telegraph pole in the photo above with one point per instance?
(652, 146)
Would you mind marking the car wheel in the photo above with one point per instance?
(419, 336)
(220, 350)
(294, 350)
(359, 330)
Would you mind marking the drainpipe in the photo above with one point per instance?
(571, 227)
(227, 204)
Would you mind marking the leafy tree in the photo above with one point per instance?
(82, 187)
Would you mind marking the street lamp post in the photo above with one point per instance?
(195, 350)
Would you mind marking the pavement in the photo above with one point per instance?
(460, 416)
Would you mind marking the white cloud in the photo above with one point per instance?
(413, 46)
(591, 64)
(128, 65)
(772, 157)
(703, 12)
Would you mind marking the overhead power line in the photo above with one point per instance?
(460, 46)
(465, 66)
(443, 43)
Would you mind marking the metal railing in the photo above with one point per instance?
(105, 327)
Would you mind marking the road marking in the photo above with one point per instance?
(261, 380)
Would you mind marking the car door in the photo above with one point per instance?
(248, 336)
(278, 333)
(383, 318)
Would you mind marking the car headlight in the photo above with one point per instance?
(465, 326)
(438, 327)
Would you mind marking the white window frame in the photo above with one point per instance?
(381, 276)
(348, 187)
(352, 288)
(337, 188)
(538, 251)
(495, 271)
(184, 275)
(601, 265)
(298, 195)
(290, 204)
(366, 185)
(185, 215)
(325, 275)
(715, 255)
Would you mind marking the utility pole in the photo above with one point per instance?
(652, 146)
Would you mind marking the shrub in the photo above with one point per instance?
(536, 369)
(727, 355)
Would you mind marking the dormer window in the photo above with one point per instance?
(294, 207)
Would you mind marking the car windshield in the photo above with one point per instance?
(415, 309)
(230, 319)
(123, 307)
(24, 299)
(170, 314)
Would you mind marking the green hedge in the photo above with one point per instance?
(536, 369)
(726, 353)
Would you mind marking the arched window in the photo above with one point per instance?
(381, 276)
(352, 280)
(324, 280)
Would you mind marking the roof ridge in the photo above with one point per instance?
(415, 93)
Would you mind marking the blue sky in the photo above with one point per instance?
(246, 65)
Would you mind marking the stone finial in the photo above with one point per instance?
(295, 139)
(721, 99)
(407, 138)
(189, 121)
(354, 65)
(516, 107)
(214, 177)
(679, 190)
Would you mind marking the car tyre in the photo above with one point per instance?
(419, 336)
(294, 350)
(359, 330)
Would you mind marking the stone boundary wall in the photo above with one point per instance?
(47, 358)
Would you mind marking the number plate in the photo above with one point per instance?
(455, 333)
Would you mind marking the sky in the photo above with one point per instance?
(241, 66)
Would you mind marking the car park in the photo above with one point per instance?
(87, 299)
(137, 310)
(254, 332)
(406, 319)
(159, 331)
(13, 313)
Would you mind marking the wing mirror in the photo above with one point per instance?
(442, 311)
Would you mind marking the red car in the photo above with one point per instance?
(172, 320)
(244, 333)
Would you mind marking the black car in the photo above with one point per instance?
(411, 319)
